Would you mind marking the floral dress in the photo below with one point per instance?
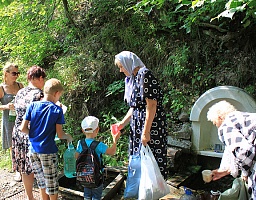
(20, 141)
(147, 86)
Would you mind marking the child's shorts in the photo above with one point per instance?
(45, 167)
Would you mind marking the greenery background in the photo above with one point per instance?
(191, 46)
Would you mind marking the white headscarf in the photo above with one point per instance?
(129, 61)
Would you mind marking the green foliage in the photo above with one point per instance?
(198, 11)
(115, 87)
(175, 101)
(5, 156)
(178, 61)
(121, 155)
(189, 45)
(5, 160)
(25, 33)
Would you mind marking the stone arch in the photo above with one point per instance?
(204, 135)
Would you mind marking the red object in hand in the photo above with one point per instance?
(114, 129)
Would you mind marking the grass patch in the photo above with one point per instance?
(5, 159)
(5, 155)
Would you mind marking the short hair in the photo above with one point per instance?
(53, 85)
(220, 109)
(35, 72)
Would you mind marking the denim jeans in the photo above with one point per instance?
(93, 193)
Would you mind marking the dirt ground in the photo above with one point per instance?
(7, 185)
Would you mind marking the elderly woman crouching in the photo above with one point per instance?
(237, 131)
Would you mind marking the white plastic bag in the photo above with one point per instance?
(152, 183)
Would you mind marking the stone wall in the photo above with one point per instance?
(179, 152)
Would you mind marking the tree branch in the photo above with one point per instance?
(213, 26)
(65, 3)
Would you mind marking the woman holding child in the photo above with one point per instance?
(146, 115)
(20, 158)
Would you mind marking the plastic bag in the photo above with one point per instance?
(239, 191)
(133, 177)
(152, 184)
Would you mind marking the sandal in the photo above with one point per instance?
(17, 177)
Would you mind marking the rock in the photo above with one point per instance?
(182, 135)
(185, 144)
(184, 117)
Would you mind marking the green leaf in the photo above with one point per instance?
(197, 3)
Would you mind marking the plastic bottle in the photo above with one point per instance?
(188, 195)
(12, 113)
(70, 161)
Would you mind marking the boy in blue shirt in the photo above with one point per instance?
(90, 128)
(43, 119)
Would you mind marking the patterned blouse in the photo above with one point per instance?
(238, 132)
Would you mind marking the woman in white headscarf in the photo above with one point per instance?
(146, 115)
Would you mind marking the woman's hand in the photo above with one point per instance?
(217, 174)
(145, 138)
(10, 106)
(245, 178)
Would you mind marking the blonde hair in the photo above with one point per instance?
(220, 109)
(53, 85)
(7, 68)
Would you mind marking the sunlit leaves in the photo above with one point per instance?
(197, 3)
(24, 31)
(198, 11)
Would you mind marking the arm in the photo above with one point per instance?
(217, 174)
(112, 150)
(61, 133)
(126, 119)
(24, 126)
(9, 106)
(150, 115)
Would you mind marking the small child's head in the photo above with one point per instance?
(90, 125)
(52, 87)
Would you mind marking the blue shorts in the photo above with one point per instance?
(45, 168)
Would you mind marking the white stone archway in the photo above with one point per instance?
(204, 135)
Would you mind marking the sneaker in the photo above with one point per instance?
(17, 177)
